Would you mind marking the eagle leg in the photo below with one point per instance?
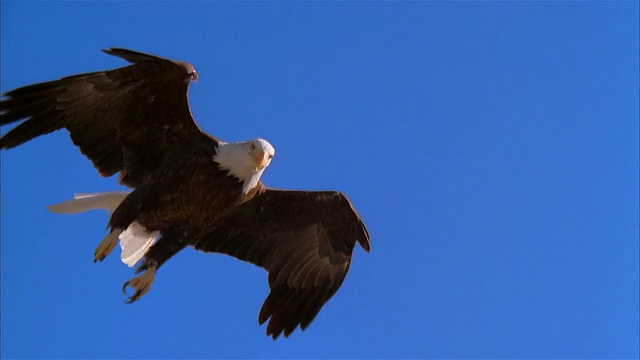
(106, 245)
(140, 284)
(170, 243)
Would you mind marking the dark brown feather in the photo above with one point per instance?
(126, 119)
(136, 120)
(303, 239)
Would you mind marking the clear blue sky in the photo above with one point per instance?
(491, 148)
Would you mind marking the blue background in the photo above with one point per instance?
(491, 148)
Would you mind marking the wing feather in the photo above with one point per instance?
(315, 303)
(303, 239)
(295, 261)
(126, 119)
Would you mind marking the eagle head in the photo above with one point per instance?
(246, 161)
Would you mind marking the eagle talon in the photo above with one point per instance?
(133, 297)
(124, 288)
(106, 245)
(140, 284)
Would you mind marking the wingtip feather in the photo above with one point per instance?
(130, 55)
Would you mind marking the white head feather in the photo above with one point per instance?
(245, 160)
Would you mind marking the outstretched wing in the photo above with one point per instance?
(303, 239)
(124, 119)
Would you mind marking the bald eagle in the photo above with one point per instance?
(189, 188)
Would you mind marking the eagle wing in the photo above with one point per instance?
(124, 119)
(303, 239)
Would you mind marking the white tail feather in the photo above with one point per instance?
(134, 241)
(84, 202)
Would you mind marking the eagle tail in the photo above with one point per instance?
(134, 242)
(80, 203)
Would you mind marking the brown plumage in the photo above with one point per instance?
(304, 240)
(194, 189)
(125, 119)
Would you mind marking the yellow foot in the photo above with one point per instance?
(106, 246)
(140, 284)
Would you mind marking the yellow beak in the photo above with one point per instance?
(260, 160)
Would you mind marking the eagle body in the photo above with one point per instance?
(189, 188)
